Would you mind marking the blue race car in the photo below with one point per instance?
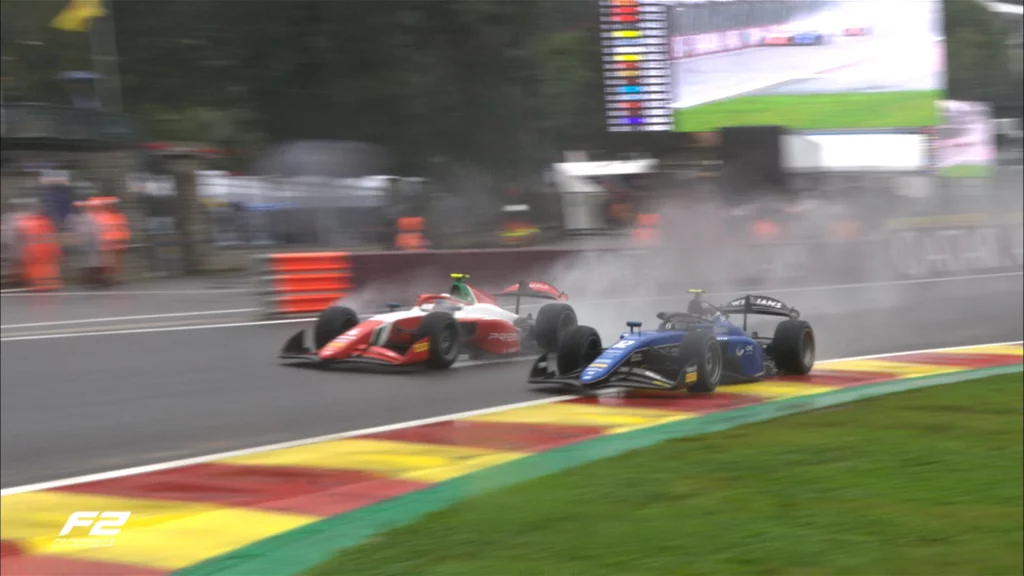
(795, 38)
(694, 350)
(809, 38)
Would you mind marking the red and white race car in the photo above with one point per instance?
(857, 31)
(439, 328)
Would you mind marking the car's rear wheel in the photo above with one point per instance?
(700, 350)
(580, 345)
(553, 322)
(793, 347)
(443, 333)
(333, 322)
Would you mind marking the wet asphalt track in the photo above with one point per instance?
(79, 405)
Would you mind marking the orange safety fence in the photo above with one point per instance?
(410, 234)
(646, 230)
(303, 283)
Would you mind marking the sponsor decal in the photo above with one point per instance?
(691, 375)
(599, 365)
(758, 301)
(103, 526)
(422, 346)
(925, 253)
(503, 336)
(656, 379)
(623, 344)
(342, 340)
(692, 45)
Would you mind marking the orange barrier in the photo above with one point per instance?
(302, 283)
(846, 230)
(645, 231)
(519, 233)
(410, 234)
(765, 231)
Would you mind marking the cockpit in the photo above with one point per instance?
(462, 292)
(447, 306)
(685, 322)
(698, 313)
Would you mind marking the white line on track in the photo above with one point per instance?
(597, 301)
(53, 484)
(123, 318)
(151, 330)
(100, 292)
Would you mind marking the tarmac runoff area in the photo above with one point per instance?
(84, 395)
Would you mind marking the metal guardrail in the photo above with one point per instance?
(26, 121)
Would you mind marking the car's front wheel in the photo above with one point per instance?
(554, 320)
(333, 322)
(580, 346)
(700, 350)
(442, 332)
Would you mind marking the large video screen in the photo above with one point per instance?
(696, 65)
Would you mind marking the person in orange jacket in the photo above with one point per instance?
(39, 250)
(114, 235)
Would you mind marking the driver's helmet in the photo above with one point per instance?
(700, 308)
(462, 292)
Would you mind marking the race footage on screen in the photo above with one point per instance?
(804, 64)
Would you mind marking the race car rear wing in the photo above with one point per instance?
(531, 289)
(760, 305)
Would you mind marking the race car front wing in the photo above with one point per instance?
(295, 349)
(636, 377)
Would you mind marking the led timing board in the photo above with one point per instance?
(636, 66)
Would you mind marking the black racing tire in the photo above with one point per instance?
(333, 322)
(553, 321)
(793, 347)
(580, 345)
(445, 342)
(701, 347)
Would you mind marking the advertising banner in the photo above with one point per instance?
(965, 144)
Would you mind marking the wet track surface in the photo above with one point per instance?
(85, 404)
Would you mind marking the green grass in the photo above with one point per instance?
(816, 111)
(966, 171)
(924, 482)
